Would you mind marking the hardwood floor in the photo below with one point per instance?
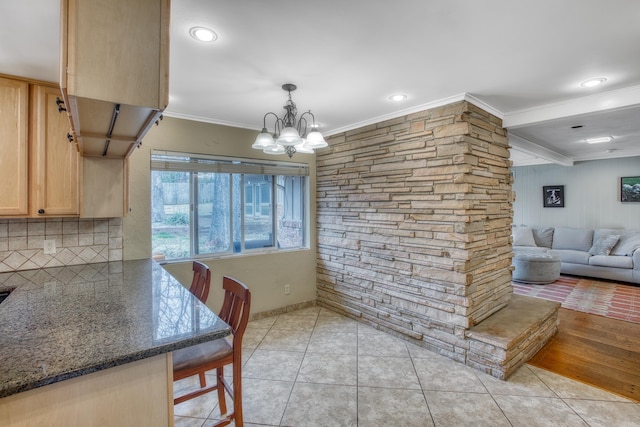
(595, 350)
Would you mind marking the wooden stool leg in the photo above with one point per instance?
(221, 399)
(237, 393)
(203, 381)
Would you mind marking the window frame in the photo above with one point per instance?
(236, 168)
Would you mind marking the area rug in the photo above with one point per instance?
(609, 299)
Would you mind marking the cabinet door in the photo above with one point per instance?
(116, 51)
(53, 159)
(103, 187)
(14, 110)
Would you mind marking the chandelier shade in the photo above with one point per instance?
(304, 148)
(263, 140)
(289, 135)
(316, 140)
(274, 149)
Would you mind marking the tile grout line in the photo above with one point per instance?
(556, 394)
(295, 380)
(426, 401)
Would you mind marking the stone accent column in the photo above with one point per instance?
(414, 224)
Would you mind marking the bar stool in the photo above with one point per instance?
(201, 281)
(198, 359)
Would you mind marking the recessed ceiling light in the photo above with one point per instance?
(593, 82)
(203, 34)
(599, 140)
(398, 97)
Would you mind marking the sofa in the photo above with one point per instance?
(602, 253)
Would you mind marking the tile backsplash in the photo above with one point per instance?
(78, 241)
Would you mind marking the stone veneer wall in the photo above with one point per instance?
(78, 241)
(414, 224)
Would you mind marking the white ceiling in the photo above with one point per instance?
(521, 60)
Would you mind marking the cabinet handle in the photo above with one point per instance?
(60, 104)
(40, 211)
(70, 137)
(159, 119)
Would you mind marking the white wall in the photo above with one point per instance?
(265, 275)
(592, 194)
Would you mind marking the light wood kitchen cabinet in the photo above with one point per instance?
(53, 159)
(104, 187)
(38, 164)
(14, 120)
(41, 170)
(114, 71)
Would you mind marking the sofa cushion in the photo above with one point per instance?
(604, 245)
(523, 236)
(543, 236)
(571, 256)
(611, 261)
(629, 242)
(572, 238)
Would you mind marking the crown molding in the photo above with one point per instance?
(604, 101)
(209, 120)
(396, 114)
(536, 150)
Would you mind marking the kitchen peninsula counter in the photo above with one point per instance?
(60, 323)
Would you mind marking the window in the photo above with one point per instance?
(209, 206)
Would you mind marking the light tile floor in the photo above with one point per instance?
(313, 367)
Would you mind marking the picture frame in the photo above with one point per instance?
(630, 189)
(553, 196)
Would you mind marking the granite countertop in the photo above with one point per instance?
(63, 322)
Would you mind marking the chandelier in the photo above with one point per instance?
(289, 134)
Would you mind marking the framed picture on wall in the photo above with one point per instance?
(553, 196)
(630, 189)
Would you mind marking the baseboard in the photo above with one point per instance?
(282, 310)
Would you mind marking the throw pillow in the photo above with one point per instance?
(543, 236)
(523, 236)
(606, 232)
(604, 245)
(629, 242)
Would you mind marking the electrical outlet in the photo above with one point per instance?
(287, 289)
(49, 247)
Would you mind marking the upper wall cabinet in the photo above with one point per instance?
(114, 71)
(53, 159)
(14, 122)
(38, 165)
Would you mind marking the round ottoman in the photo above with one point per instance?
(536, 267)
